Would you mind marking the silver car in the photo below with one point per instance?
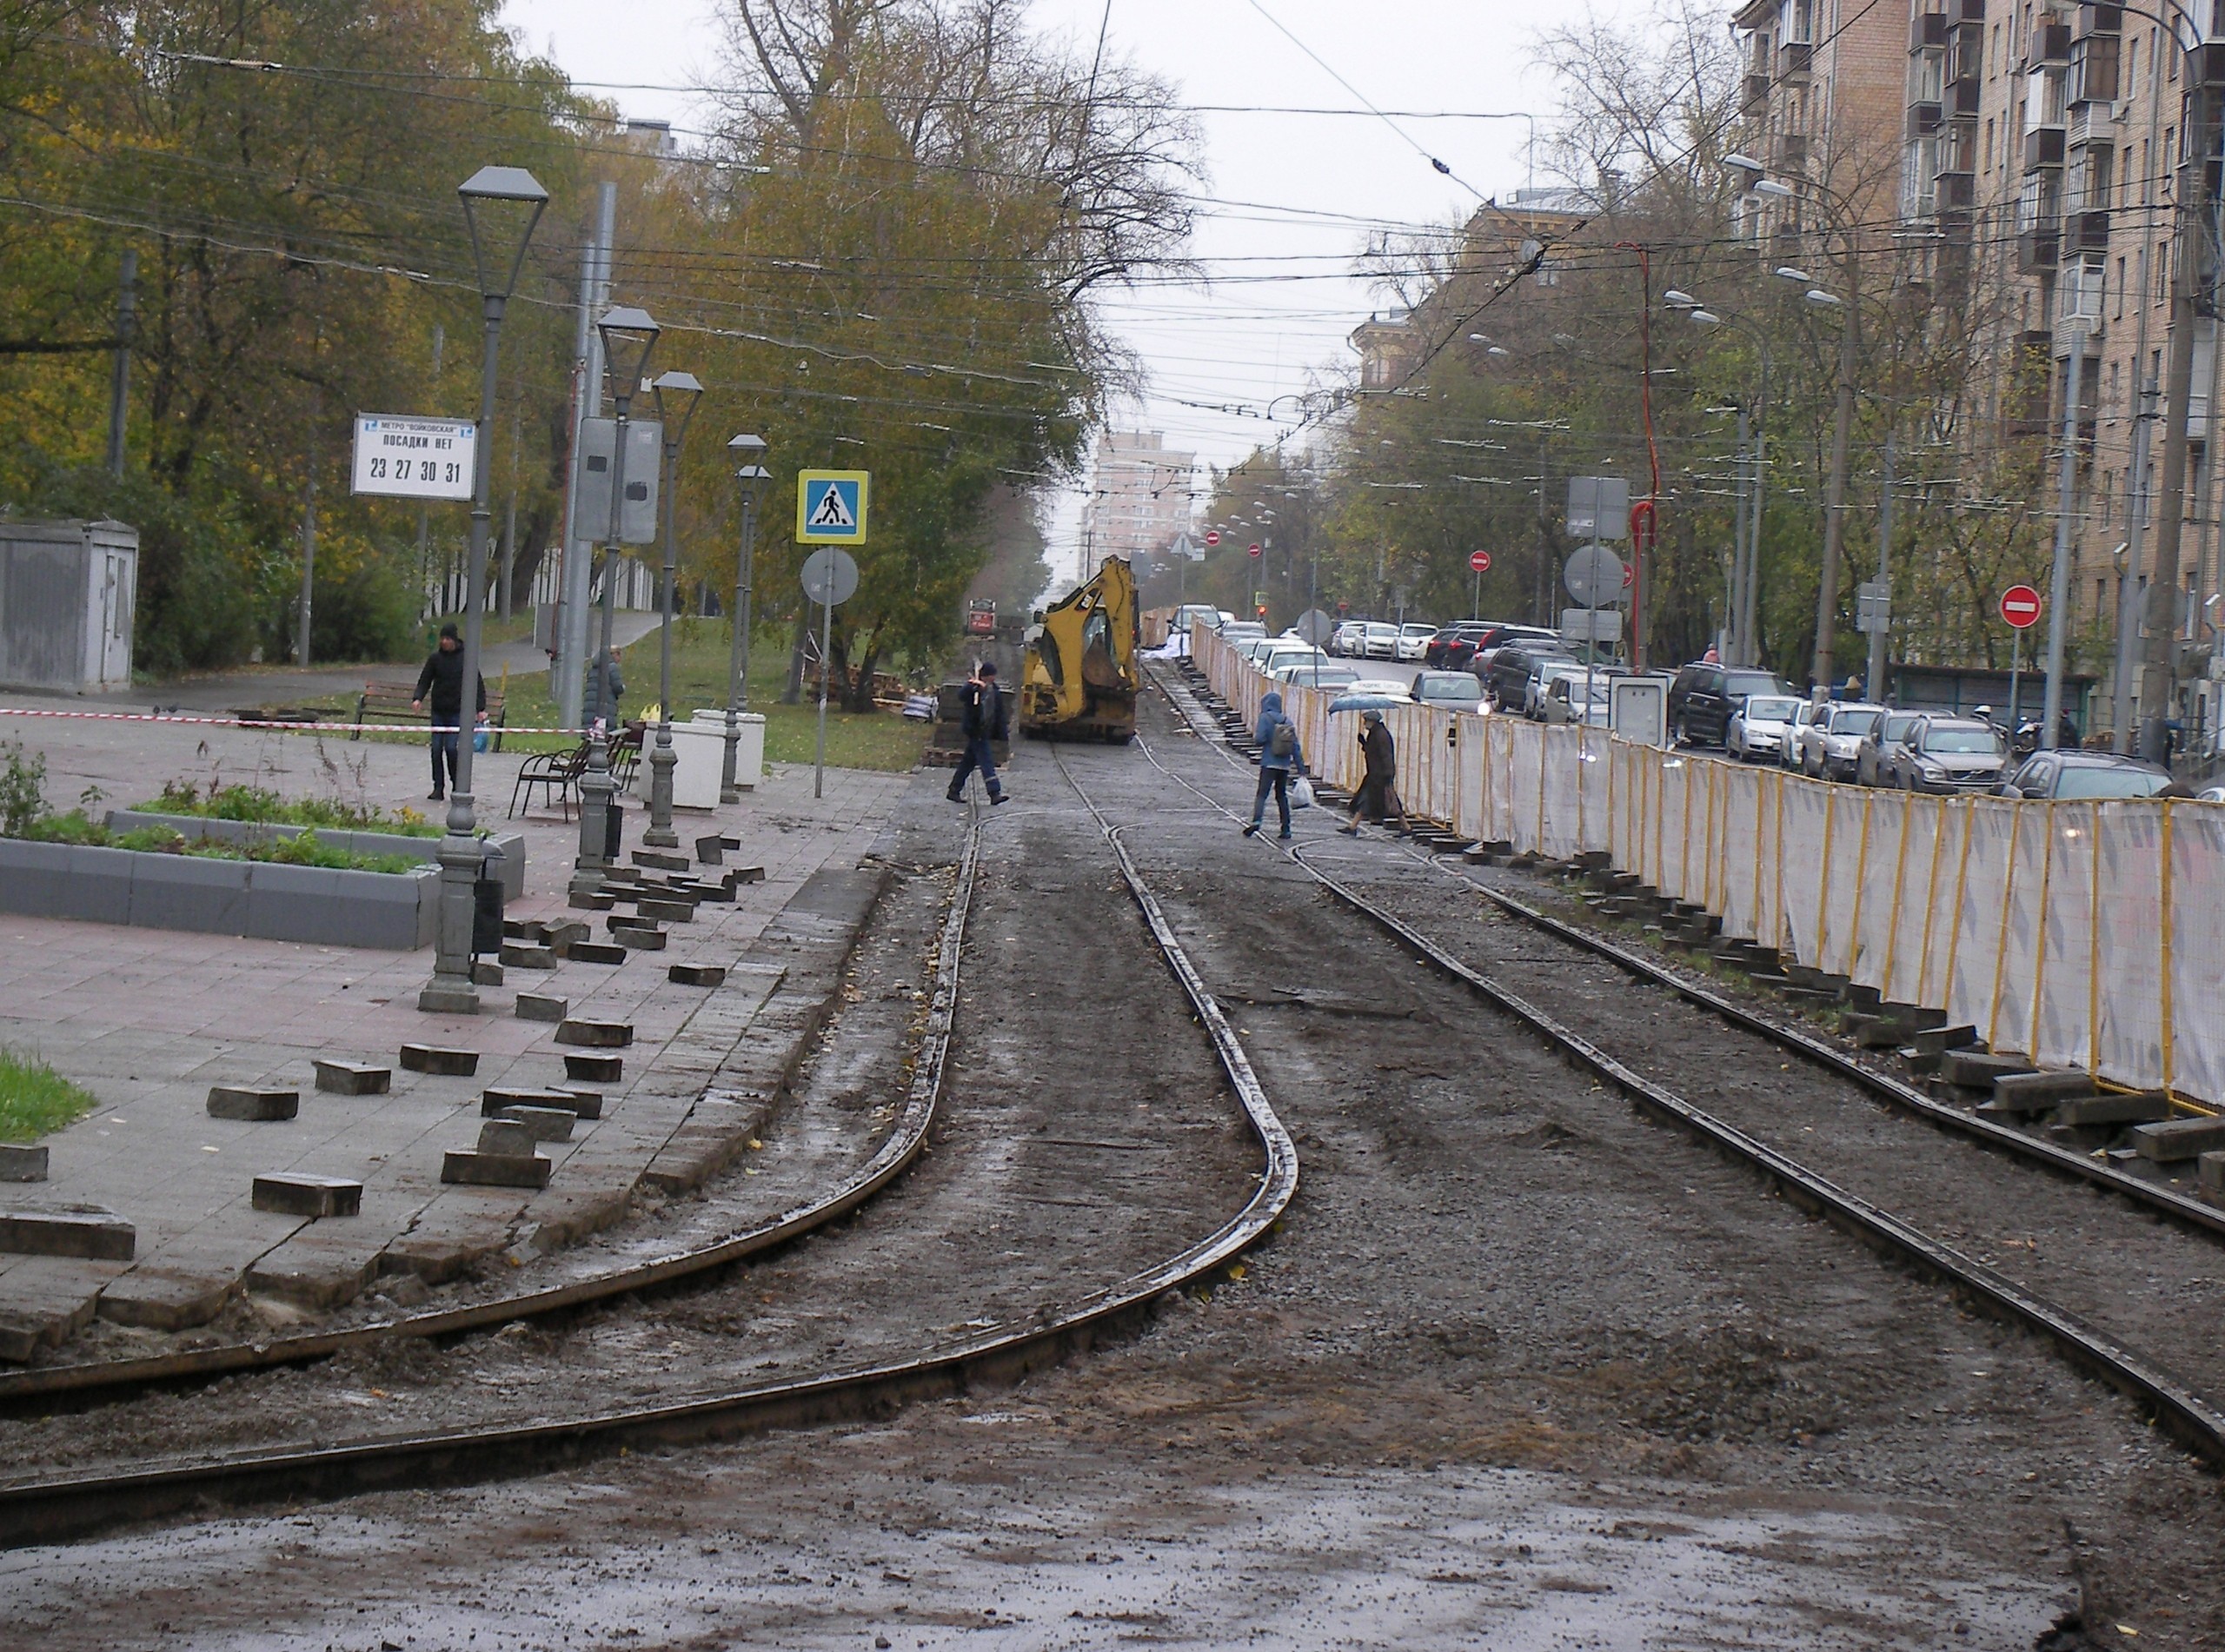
(1948, 755)
(1762, 728)
(1830, 745)
(1880, 743)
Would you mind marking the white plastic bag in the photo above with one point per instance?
(1301, 792)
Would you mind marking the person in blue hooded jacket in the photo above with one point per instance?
(1280, 759)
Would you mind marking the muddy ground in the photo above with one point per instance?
(1518, 1369)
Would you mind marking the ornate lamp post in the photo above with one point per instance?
(628, 337)
(501, 207)
(750, 473)
(676, 396)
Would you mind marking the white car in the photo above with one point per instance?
(1389, 687)
(1280, 652)
(1413, 641)
(1831, 746)
(1762, 726)
(1349, 639)
(1317, 673)
(1449, 690)
(1382, 640)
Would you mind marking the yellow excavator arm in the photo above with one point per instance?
(1081, 677)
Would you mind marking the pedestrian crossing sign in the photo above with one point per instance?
(831, 506)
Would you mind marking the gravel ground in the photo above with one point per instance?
(1518, 1368)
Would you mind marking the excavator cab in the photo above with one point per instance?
(1080, 678)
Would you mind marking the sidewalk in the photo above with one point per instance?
(148, 1019)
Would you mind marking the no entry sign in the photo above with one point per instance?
(1213, 536)
(2020, 605)
(1255, 549)
(1480, 561)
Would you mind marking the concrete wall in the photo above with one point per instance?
(509, 845)
(393, 911)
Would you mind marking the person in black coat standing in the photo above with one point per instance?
(442, 681)
(981, 719)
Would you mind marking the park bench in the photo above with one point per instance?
(388, 703)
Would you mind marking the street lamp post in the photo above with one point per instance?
(510, 201)
(1753, 443)
(676, 395)
(628, 337)
(752, 475)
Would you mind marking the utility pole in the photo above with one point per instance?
(2129, 576)
(119, 383)
(567, 677)
(1874, 681)
(424, 519)
(2059, 577)
(308, 549)
(1827, 589)
(2189, 241)
(510, 516)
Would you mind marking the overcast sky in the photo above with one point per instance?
(1288, 198)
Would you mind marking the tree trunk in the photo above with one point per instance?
(793, 694)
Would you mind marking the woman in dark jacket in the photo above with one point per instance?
(1380, 752)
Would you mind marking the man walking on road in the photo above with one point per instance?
(1280, 759)
(443, 677)
(1380, 752)
(981, 720)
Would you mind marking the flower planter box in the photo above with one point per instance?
(509, 845)
(389, 910)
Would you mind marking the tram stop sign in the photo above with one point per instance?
(2020, 605)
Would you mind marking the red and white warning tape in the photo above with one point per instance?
(287, 725)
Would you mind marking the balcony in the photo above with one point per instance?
(1927, 31)
(2210, 62)
(1792, 151)
(1795, 60)
(2092, 78)
(2100, 20)
(1966, 56)
(2044, 148)
(1958, 191)
(1962, 100)
(1756, 91)
(2093, 127)
(2037, 250)
(2087, 231)
(2050, 44)
(1923, 119)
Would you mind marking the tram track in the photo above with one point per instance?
(928, 1360)
(2109, 1290)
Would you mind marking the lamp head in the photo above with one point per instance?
(1786, 272)
(1677, 299)
(501, 206)
(1772, 185)
(748, 452)
(1823, 300)
(1705, 318)
(676, 395)
(1739, 163)
(628, 335)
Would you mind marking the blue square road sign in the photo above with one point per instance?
(831, 506)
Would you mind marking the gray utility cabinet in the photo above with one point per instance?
(67, 594)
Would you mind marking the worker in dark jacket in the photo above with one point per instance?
(1379, 752)
(442, 681)
(981, 719)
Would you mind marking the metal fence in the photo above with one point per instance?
(2087, 935)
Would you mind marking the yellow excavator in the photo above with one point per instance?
(1080, 678)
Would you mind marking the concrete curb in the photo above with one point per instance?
(507, 848)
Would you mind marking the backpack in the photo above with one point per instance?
(1282, 740)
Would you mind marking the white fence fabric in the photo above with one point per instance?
(2050, 927)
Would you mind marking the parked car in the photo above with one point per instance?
(1538, 691)
(1880, 745)
(1945, 754)
(1450, 690)
(1203, 612)
(1498, 637)
(1236, 632)
(1412, 638)
(1315, 673)
(1809, 710)
(1830, 745)
(1506, 681)
(1453, 645)
(1283, 651)
(2084, 775)
(2211, 795)
(1380, 640)
(1571, 697)
(1702, 696)
(1348, 639)
(1761, 726)
(1390, 687)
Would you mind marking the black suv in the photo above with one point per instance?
(1703, 696)
(1507, 684)
(1450, 649)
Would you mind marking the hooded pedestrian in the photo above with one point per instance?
(1280, 759)
(605, 688)
(442, 681)
(980, 721)
(1379, 752)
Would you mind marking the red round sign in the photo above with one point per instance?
(1480, 560)
(1255, 548)
(1213, 536)
(2020, 605)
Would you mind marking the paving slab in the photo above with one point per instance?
(151, 1020)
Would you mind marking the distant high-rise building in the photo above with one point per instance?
(1139, 497)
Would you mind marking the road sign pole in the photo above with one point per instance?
(2016, 676)
(1476, 602)
(826, 645)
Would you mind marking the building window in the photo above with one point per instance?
(1988, 162)
(2081, 286)
(2119, 313)
(1920, 179)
